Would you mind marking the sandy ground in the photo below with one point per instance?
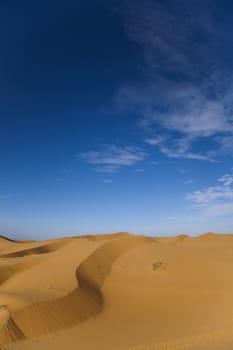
(117, 292)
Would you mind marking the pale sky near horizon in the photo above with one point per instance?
(116, 116)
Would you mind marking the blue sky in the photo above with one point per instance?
(116, 115)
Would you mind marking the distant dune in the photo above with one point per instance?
(215, 235)
(117, 292)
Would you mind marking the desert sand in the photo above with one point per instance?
(117, 292)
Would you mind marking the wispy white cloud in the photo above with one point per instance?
(188, 182)
(226, 179)
(107, 169)
(185, 88)
(177, 153)
(165, 30)
(214, 200)
(184, 115)
(193, 114)
(155, 140)
(110, 158)
(211, 195)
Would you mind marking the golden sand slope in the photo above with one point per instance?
(117, 291)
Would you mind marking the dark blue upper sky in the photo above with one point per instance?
(116, 115)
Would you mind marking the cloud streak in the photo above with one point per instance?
(214, 200)
(185, 88)
(110, 158)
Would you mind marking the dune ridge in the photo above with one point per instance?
(5, 238)
(41, 249)
(211, 235)
(84, 302)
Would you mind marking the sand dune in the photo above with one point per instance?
(40, 249)
(214, 235)
(117, 291)
(173, 240)
(82, 303)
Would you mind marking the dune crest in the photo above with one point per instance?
(84, 302)
(40, 249)
(211, 235)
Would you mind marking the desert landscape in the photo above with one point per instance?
(116, 175)
(117, 292)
